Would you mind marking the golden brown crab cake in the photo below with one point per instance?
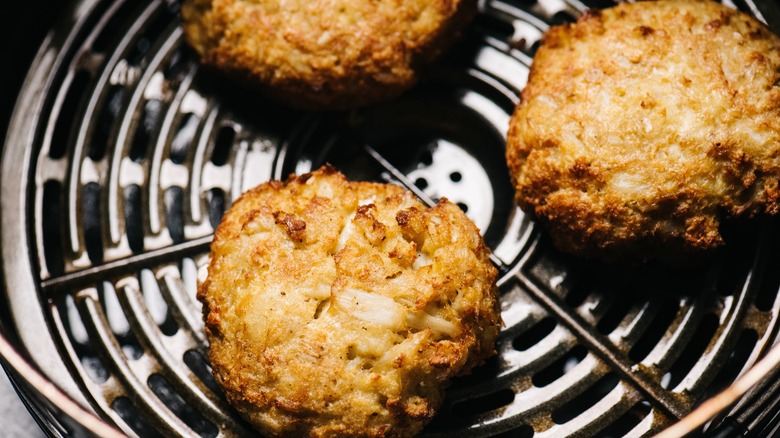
(645, 125)
(325, 54)
(343, 308)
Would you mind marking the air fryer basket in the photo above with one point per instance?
(123, 154)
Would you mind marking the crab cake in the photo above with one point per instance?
(643, 126)
(343, 308)
(324, 54)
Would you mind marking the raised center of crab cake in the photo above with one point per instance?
(337, 307)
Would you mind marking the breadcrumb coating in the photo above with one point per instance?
(325, 54)
(339, 308)
(644, 126)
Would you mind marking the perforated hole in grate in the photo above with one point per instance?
(138, 153)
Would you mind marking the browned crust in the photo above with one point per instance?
(644, 125)
(325, 54)
(292, 346)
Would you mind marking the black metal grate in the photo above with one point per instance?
(130, 154)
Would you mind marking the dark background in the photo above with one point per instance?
(22, 28)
